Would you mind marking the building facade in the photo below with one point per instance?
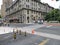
(5, 4)
(26, 11)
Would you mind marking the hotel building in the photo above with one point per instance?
(26, 11)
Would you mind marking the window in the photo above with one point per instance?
(19, 5)
(36, 8)
(31, 15)
(32, 0)
(32, 3)
(27, 11)
(34, 12)
(39, 9)
(32, 7)
(27, 6)
(20, 1)
(27, 0)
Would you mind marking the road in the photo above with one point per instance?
(18, 25)
(32, 39)
(51, 30)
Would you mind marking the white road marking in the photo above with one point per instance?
(49, 26)
(29, 30)
(53, 36)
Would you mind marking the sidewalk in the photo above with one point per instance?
(53, 24)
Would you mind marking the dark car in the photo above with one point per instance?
(40, 22)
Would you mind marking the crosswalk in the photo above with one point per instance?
(4, 30)
(29, 29)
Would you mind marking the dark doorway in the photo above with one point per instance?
(28, 19)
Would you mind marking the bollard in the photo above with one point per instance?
(17, 31)
(25, 34)
(13, 30)
(14, 35)
(20, 32)
(4, 30)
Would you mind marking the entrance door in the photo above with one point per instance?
(28, 19)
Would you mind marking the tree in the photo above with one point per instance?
(53, 15)
(59, 18)
(47, 17)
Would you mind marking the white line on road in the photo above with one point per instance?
(29, 30)
(49, 26)
(53, 36)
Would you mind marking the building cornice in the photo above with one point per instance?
(34, 0)
(26, 9)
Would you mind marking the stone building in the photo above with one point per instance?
(26, 11)
(5, 4)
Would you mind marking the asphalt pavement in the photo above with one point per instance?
(50, 30)
(32, 39)
(18, 25)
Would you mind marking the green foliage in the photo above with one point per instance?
(59, 18)
(53, 15)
